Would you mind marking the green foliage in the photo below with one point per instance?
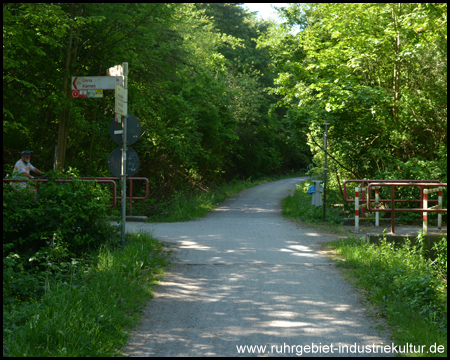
(196, 83)
(298, 205)
(45, 232)
(376, 72)
(410, 290)
(53, 290)
(186, 206)
(88, 310)
(440, 257)
(68, 214)
(220, 94)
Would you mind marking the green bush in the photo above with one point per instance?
(45, 231)
(440, 261)
(71, 215)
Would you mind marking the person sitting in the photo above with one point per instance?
(22, 170)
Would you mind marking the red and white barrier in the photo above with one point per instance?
(425, 206)
(357, 207)
(377, 202)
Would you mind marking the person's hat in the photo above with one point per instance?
(26, 152)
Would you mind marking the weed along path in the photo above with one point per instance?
(245, 276)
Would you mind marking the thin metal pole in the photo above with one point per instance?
(131, 197)
(392, 210)
(440, 207)
(356, 210)
(377, 201)
(124, 157)
(325, 171)
(56, 153)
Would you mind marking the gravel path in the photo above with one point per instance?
(244, 275)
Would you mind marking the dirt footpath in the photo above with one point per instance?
(245, 276)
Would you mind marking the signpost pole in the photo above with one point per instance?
(325, 171)
(93, 86)
(124, 157)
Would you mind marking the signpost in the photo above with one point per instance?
(77, 94)
(93, 86)
(121, 107)
(124, 153)
(96, 82)
(121, 93)
(121, 100)
(95, 93)
(115, 162)
(134, 130)
(115, 71)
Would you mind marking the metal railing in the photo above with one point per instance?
(100, 180)
(364, 184)
(131, 197)
(425, 209)
(357, 207)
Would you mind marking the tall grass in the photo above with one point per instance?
(90, 312)
(186, 207)
(409, 289)
(298, 205)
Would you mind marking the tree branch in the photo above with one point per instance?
(94, 49)
(331, 156)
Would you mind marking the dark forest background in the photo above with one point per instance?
(222, 94)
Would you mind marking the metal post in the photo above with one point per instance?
(363, 188)
(392, 210)
(56, 152)
(440, 207)
(377, 202)
(325, 171)
(424, 214)
(356, 210)
(124, 157)
(131, 197)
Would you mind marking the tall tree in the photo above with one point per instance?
(366, 68)
(197, 84)
(58, 41)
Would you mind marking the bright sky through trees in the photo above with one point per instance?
(265, 10)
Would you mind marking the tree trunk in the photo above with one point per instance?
(397, 68)
(397, 64)
(63, 127)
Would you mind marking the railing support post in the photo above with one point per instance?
(131, 196)
(363, 188)
(424, 214)
(377, 214)
(440, 207)
(392, 210)
(356, 210)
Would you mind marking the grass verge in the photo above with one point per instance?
(186, 207)
(407, 289)
(298, 205)
(89, 312)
